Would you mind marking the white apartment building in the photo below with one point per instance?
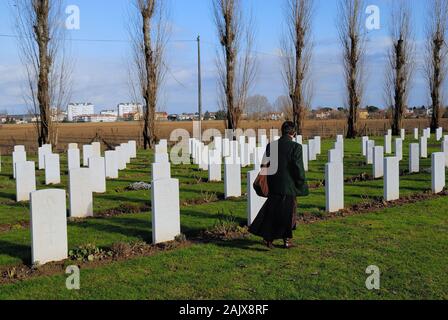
(129, 108)
(76, 110)
(109, 113)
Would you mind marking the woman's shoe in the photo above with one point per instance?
(288, 244)
(269, 244)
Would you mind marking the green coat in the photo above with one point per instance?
(289, 178)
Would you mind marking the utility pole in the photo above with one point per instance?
(199, 88)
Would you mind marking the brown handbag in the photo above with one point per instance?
(261, 186)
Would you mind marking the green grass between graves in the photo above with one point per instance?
(408, 243)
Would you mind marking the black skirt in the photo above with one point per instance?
(276, 219)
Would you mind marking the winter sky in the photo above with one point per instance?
(100, 73)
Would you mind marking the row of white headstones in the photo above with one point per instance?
(234, 155)
(48, 207)
(245, 151)
(387, 168)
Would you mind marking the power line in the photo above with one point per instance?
(91, 40)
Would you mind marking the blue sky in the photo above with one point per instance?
(100, 74)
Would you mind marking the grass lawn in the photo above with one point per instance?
(408, 243)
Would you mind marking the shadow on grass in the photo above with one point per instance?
(15, 250)
(128, 227)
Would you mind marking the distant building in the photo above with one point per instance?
(363, 114)
(109, 113)
(161, 116)
(125, 109)
(76, 110)
(97, 118)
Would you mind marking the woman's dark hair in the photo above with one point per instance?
(288, 128)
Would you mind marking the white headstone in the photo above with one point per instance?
(203, 164)
(52, 169)
(378, 162)
(299, 139)
(25, 180)
(370, 147)
(161, 157)
(334, 186)
(42, 151)
(72, 146)
(48, 226)
(254, 202)
(165, 210)
(423, 147)
(17, 156)
(263, 141)
(415, 134)
(438, 172)
(225, 147)
(439, 134)
(214, 166)
(161, 171)
(80, 191)
(305, 157)
(121, 158)
(87, 152)
(234, 149)
(98, 173)
(217, 144)
(403, 134)
(364, 145)
(388, 144)
(334, 155)
(445, 151)
(111, 163)
(232, 177)
(73, 159)
(126, 152)
(312, 150)
(318, 145)
(339, 146)
(133, 148)
(19, 148)
(96, 149)
(340, 139)
(161, 148)
(391, 178)
(414, 158)
(399, 148)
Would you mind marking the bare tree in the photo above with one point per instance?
(401, 63)
(236, 65)
(283, 104)
(41, 35)
(437, 57)
(296, 57)
(350, 26)
(258, 107)
(149, 32)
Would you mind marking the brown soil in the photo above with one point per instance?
(120, 252)
(371, 206)
(114, 133)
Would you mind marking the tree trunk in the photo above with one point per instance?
(150, 87)
(41, 30)
(400, 89)
(437, 83)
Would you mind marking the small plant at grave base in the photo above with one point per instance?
(88, 253)
(209, 197)
(226, 228)
(123, 249)
(181, 238)
(11, 273)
